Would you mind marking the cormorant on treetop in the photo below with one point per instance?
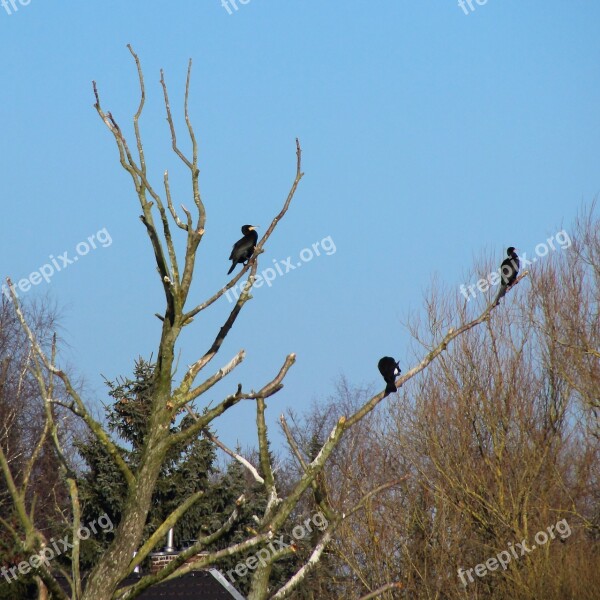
(389, 369)
(509, 269)
(243, 249)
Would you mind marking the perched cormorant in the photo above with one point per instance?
(243, 249)
(509, 269)
(389, 369)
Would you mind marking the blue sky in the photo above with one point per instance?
(430, 138)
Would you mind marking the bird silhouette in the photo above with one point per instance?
(243, 249)
(509, 269)
(389, 370)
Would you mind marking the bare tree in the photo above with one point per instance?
(27, 457)
(170, 398)
(499, 440)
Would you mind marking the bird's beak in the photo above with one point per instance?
(254, 226)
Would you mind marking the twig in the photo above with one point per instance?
(381, 590)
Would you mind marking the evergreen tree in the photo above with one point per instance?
(187, 470)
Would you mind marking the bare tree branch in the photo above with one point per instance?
(261, 242)
(245, 463)
(265, 461)
(266, 391)
(163, 528)
(382, 590)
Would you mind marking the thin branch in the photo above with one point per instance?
(388, 586)
(195, 171)
(262, 241)
(183, 395)
(139, 110)
(141, 184)
(174, 214)
(266, 391)
(292, 442)
(163, 528)
(227, 450)
(265, 462)
(194, 235)
(18, 499)
(44, 435)
(176, 149)
(310, 564)
(143, 175)
(384, 486)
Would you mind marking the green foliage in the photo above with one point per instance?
(23, 590)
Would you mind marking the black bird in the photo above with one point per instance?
(389, 369)
(509, 269)
(243, 249)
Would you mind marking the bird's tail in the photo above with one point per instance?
(231, 268)
(501, 293)
(390, 388)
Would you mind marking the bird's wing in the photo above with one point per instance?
(234, 248)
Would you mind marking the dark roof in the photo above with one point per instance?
(197, 585)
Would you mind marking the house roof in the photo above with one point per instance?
(197, 585)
